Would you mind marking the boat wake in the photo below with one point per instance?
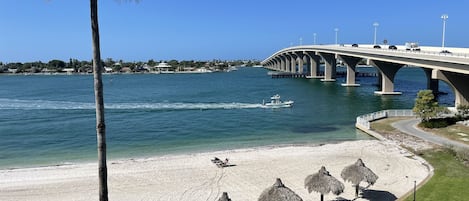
(14, 104)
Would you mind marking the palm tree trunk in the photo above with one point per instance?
(99, 100)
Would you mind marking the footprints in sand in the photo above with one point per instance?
(208, 190)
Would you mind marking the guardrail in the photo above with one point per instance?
(422, 52)
(363, 121)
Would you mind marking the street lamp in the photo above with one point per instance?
(301, 41)
(376, 28)
(444, 17)
(314, 41)
(336, 31)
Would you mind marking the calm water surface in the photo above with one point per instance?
(49, 120)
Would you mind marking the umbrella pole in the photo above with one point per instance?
(356, 190)
(322, 197)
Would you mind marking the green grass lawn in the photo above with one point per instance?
(450, 181)
(452, 132)
(384, 125)
(451, 177)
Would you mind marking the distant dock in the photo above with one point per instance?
(275, 74)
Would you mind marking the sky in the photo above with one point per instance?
(42, 30)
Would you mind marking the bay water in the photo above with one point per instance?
(50, 119)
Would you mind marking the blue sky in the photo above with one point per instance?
(42, 30)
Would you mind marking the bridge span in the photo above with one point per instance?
(452, 68)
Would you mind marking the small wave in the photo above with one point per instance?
(14, 104)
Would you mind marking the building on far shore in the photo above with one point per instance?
(164, 68)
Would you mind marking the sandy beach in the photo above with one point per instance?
(194, 177)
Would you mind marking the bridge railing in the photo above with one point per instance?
(452, 54)
(363, 121)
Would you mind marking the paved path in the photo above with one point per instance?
(409, 126)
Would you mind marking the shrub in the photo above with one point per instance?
(438, 123)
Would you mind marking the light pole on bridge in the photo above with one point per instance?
(376, 29)
(336, 33)
(314, 38)
(444, 17)
(301, 41)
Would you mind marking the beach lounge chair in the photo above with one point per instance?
(216, 160)
(222, 164)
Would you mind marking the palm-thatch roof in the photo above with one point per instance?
(279, 192)
(323, 183)
(224, 197)
(358, 172)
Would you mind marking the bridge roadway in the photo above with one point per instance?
(452, 68)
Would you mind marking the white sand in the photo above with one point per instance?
(195, 177)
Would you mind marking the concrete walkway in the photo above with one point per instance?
(409, 126)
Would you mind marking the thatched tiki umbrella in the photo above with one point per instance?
(323, 183)
(279, 192)
(357, 173)
(224, 197)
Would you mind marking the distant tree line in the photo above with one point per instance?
(76, 66)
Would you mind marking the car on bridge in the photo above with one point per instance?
(445, 52)
(355, 45)
(412, 46)
(377, 46)
(392, 47)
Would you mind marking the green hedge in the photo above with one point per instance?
(439, 123)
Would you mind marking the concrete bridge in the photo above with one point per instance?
(453, 68)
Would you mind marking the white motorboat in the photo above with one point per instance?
(275, 102)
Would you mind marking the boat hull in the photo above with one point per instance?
(279, 105)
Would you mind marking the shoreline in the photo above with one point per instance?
(175, 153)
(195, 177)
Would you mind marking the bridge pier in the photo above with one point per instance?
(432, 84)
(293, 60)
(330, 62)
(387, 71)
(277, 62)
(313, 64)
(351, 63)
(287, 62)
(282, 63)
(300, 59)
(292, 64)
(458, 83)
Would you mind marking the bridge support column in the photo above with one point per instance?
(268, 65)
(432, 84)
(273, 64)
(330, 67)
(351, 63)
(387, 71)
(313, 65)
(276, 63)
(283, 63)
(300, 60)
(287, 63)
(278, 66)
(301, 63)
(458, 83)
(292, 62)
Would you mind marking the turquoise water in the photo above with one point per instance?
(50, 120)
